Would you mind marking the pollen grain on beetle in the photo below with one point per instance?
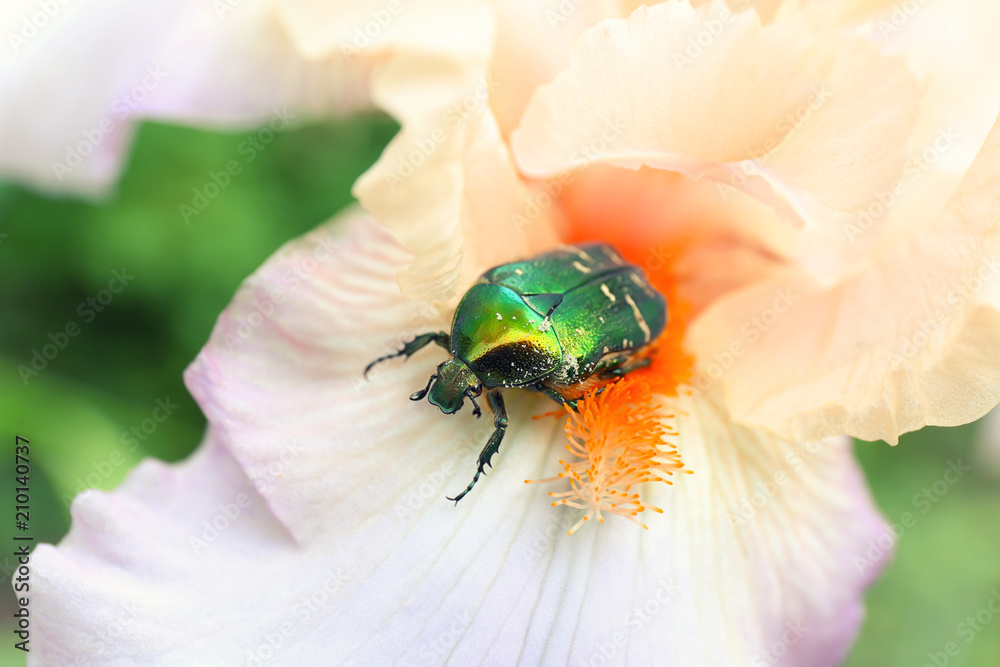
(618, 440)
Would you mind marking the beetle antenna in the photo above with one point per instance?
(418, 395)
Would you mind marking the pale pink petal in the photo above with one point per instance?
(327, 305)
(782, 585)
(762, 553)
(906, 340)
(115, 591)
(73, 93)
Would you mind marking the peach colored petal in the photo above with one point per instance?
(808, 120)
(766, 8)
(704, 242)
(939, 40)
(902, 342)
(533, 42)
(445, 186)
(381, 29)
(723, 102)
(854, 132)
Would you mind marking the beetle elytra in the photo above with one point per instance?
(561, 323)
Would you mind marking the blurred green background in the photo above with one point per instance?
(57, 253)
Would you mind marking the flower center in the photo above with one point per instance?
(618, 440)
(695, 245)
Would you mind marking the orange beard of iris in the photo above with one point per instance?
(618, 438)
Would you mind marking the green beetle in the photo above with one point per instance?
(561, 323)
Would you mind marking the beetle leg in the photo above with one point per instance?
(421, 341)
(476, 412)
(495, 399)
(623, 370)
(608, 369)
(553, 394)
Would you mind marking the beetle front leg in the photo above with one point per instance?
(495, 399)
(421, 341)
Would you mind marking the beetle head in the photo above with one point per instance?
(449, 387)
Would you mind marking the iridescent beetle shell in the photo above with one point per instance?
(561, 323)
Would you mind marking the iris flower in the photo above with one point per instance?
(813, 188)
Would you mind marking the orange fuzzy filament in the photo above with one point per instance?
(617, 441)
